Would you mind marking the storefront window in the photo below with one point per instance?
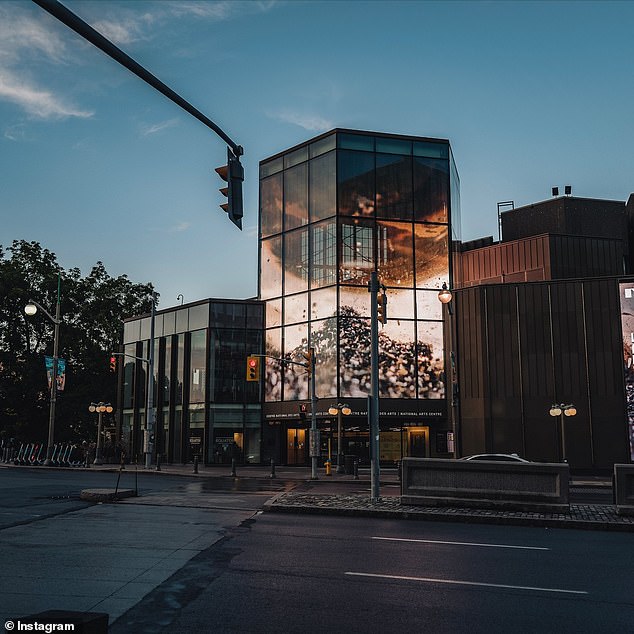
(354, 354)
(397, 369)
(198, 372)
(430, 360)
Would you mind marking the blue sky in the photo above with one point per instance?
(96, 165)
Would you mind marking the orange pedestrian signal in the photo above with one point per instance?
(253, 368)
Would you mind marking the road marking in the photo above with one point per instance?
(433, 541)
(457, 582)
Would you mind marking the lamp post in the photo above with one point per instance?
(100, 408)
(30, 309)
(338, 410)
(559, 411)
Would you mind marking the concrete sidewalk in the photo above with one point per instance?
(315, 498)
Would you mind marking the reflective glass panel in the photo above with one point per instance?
(271, 268)
(355, 177)
(324, 340)
(354, 355)
(354, 300)
(323, 303)
(296, 197)
(357, 250)
(227, 315)
(180, 368)
(295, 308)
(431, 149)
(131, 331)
(394, 186)
(296, 157)
(431, 255)
(397, 370)
(199, 316)
(167, 372)
(295, 261)
(323, 187)
(455, 202)
(324, 254)
(395, 254)
(430, 360)
(428, 305)
(271, 205)
(271, 167)
(295, 376)
(323, 145)
(273, 313)
(431, 189)
(129, 366)
(227, 367)
(355, 141)
(253, 345)
(400, 303)
(169, 323)
(273, 368)
(182, 320)
(393, 146)
(197, 377)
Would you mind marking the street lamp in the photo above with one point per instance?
(30, 309)
(560, 411)
(337, 410)
(100, 408)
(444, 295)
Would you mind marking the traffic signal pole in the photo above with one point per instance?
(373, 400)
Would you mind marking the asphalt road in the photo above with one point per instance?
(295, 573)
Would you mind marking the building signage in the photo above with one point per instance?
(627, 324)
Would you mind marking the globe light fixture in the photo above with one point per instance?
(559, 411)
(444, 295)
(337, 410)
(101, 408)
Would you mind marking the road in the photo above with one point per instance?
(296, 573)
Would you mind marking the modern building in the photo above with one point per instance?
(332, 210)
(544, 318)
(204, 405)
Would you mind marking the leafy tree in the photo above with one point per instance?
(92, 310)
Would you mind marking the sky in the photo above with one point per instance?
(95, 165)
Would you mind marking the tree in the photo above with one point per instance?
(92, 310)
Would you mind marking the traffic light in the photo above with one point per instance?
(113, 363)
(253, 368)
(381, 299)
(310, 360)
(233, 174)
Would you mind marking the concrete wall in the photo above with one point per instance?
(514, 485)
(624, 488)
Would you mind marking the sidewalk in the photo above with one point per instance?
(311, 500)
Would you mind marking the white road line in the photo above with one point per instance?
(463, 583)
(433, 541)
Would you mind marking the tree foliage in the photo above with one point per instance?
(92, 312)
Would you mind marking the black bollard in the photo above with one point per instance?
(356, 469)
(158, 462)
(196, 463)
(273, 468)
(233, 468)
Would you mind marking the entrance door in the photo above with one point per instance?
(296, 446)
(418, 444)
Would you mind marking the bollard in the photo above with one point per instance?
(328, 469)
(158, 462)
(272, 468)
(196, 463)
(233, 468)
(356, 470)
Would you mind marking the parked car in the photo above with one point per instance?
(498, 457)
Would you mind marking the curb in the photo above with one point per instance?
(106, 495)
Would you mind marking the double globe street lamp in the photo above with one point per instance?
(30, 309)
(100, 408)
(559, 411)
(337, 410)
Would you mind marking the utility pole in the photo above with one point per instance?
(373, 399)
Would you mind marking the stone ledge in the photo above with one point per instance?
(106, 495)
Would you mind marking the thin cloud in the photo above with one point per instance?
(180, 227)
(157, 127)
(310, 122)
(37, 102)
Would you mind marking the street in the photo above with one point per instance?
(196, 554)
(297, 573)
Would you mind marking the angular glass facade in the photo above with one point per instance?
(332, 211)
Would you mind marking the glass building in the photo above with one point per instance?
(203, 404)
(332, 210)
